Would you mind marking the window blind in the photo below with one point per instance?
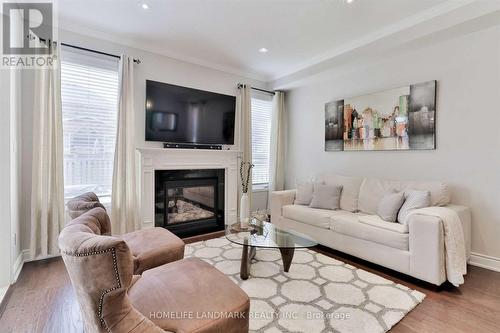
(261, 137)
(89, 92)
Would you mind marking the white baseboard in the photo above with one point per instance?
(23, 257)
(18, 265)
(27, 257)
(3, 291)
(484, 261)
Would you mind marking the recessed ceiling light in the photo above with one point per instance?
(263, 50)
(145, 6)
(350, 1)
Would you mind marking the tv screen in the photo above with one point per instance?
(183, 115)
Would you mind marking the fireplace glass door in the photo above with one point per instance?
(190, 200)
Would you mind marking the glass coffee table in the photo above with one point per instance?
(261, 234)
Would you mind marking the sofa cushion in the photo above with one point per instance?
(350, 225)
(313, 216)
(376, 221)
(326, 196)
(350, 189)
(372, 191)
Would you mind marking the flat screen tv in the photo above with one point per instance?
(176, 114)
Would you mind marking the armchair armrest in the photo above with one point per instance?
(280, 199)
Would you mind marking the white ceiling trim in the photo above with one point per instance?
(374, 36)
(476, 16)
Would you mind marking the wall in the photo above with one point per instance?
(152, 67)
(15, 170)
(10, 250)
(467, 69)
(5, 194)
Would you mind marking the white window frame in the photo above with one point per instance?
(89, 91)
(261, 110)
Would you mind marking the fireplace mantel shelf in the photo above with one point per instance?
(180, 150)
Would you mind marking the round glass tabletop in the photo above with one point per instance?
(259, 233)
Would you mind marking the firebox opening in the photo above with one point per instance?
(189, 202)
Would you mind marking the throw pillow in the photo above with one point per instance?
(326, 196)
(304, 193)
(413, 200)
(390, 205)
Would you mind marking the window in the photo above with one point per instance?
(262, 106)
(89, 92)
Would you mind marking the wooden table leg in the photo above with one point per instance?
(287, 256)
(246, 259)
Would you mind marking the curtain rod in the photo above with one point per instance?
(137, 61)
(258, 89)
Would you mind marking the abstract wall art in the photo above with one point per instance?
(397, 119)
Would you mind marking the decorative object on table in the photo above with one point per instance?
(403, 118)
(262, 215)
(237, 227)
(245, 172)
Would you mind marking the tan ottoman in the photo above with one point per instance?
(190, 295)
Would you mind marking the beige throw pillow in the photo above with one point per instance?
(413, 200)
(304, 193)
(326, 196)
(390, 205)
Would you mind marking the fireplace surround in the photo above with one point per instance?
(189, 202)
(153, 159)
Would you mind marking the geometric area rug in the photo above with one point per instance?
(319, 294)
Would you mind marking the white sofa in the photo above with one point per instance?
(415, 249)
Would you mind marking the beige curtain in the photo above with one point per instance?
(125, 209)
(47, 186)
(278, 144)
(244, 109)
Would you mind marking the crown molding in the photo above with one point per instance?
(135, 44)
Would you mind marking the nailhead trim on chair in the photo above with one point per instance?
(117, 275)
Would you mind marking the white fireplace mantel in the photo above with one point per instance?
(152, 159)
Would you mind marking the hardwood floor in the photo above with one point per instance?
(43, 300)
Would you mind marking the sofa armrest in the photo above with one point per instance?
(426, 245)
(280, 199)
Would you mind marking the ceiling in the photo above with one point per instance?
(227, 34)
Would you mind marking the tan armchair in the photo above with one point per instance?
(149, 247)
(182, 296)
